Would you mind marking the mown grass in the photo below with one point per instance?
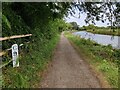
(33, 61)
(104, 59)
(105, 31)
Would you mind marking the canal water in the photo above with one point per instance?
(114, 41)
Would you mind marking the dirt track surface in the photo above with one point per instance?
(68, 70)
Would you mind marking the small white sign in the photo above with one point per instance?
(15, 55)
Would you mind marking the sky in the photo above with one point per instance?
(80, 21)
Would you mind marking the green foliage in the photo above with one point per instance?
(26, 18)
(105, 31)
(5, 20)
(74, 25)
(104, 66)
(16, 22)
(19, 81)
(91, 26)
(102, 30)
(18, 26)
(68, 27)
(110, 71)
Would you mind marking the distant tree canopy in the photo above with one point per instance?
(74, 25)
(93, 27)
(100, 11)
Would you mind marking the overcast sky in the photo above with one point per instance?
(80, 21)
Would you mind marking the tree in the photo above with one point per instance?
(68, 26)
(74, 25)
(100, 11)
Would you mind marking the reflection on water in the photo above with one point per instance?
(101, 39)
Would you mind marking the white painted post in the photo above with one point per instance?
(15, 55)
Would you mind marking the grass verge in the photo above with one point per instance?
(103, 59)
(33, 61)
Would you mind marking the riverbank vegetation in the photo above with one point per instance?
(105, 31)
(104, 59)
(115, 31)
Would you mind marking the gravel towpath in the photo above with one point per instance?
(68, 69)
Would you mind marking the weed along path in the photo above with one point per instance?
(68, 70)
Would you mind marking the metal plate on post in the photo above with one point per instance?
(15, 55)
